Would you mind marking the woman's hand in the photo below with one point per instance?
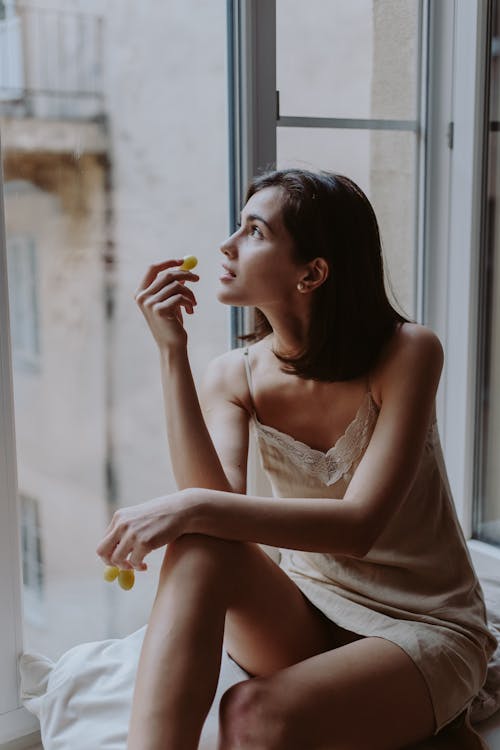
(161, 295)
(139, 529)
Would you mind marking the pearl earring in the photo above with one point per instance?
(301, 286)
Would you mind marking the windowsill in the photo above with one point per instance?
(29, 742)
(19, 730)
(486, 559)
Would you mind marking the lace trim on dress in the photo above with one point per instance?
(331, 466)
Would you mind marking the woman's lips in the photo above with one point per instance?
(227, 275)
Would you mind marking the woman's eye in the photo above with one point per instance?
(255, 231)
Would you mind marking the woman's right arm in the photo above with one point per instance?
(214, 459)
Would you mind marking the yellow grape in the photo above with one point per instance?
(110, 573)
(126, 579)
(189, 262)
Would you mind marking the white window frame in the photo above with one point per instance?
(15, 721)
(454, 193)
(449, 214)
(252, 110)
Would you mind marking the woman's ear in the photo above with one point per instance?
(316, 274)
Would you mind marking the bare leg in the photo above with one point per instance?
(180, 658)
(367, 695)
(202, 579)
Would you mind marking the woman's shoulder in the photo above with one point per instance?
(226, 368)
(227, 376)
(412, 350)
(414, 336)
(232, 362)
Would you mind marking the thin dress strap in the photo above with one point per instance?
(248, 371)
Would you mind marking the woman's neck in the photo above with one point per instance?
(289, 333)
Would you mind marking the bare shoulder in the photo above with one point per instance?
(413, 353)
(416, 339)
(225, 379)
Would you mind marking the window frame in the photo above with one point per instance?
(252, 111)
(15, 720)
(455, 191)
(449, 214)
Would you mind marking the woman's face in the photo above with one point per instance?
(258, 268)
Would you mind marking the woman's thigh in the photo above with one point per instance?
(367, 694)
(269, 623)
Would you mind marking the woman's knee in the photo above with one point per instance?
(251, 717)
(207, 554)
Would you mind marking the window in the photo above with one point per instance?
(314, 103)
(102, 177)
(11, 57)
(487, 517)
(349, 79)
(455, 272)
(23, 290)
(300, 96)
(33, 573)
(89, 205)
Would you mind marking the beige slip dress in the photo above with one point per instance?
(416, 586)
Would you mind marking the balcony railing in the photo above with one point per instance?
(51, 63)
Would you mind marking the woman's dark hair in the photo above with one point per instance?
(329, 216)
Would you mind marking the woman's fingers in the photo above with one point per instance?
(155, 269)
(170, 276)
(136, 531)
(136, 558)
(107, 546)
(123, 545)
(161, 296)
(162, 279)
(169, 287)
(126, 553)
(175, 288)
(121, 553)
(170, 306)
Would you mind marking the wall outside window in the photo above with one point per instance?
(102, 200)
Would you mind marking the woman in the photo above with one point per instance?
(371, 633)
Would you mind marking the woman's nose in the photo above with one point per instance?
(228, 248)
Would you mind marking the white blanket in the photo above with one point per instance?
(83, 700)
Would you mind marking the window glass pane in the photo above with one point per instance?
(23, 294)
(348, 58)
(383, 165)
(488, 467)
(100, 184)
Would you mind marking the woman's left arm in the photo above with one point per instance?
(408, 381)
